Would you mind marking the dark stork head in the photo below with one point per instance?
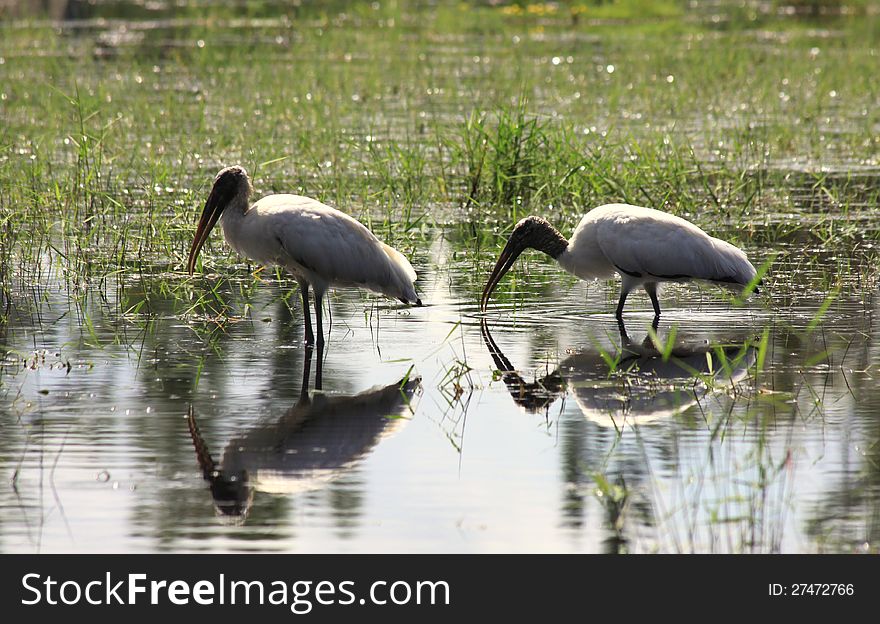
(229, 184)
(532, 232)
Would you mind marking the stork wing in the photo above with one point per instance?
(649, 243)
(335, 248)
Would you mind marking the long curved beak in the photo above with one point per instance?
(213, 208)
(508, 256)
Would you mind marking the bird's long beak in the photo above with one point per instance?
(213, 208)
(508, 256)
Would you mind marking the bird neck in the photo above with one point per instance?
(238, 205)
(549, 240)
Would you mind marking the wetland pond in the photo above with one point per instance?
(143, 410)
(540, 428)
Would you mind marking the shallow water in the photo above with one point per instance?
(540, 430)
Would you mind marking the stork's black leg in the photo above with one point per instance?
(620, 302)
(319, 317)
(319, 362)
(319, 368)
(307, 367)
(651, 289)
(624, 337)
(307, 315)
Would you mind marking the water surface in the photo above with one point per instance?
(536, 427)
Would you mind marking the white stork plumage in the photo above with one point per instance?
(644, 246)
(319, 245)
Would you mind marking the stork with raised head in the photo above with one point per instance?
(646, 247)
(319, 245)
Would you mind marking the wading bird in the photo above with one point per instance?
(319, 245)
(643, 245)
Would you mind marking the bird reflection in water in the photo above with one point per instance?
(636, 385)
(316, 441)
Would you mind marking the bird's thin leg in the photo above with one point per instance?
(319, 371)
(307, 366)
(319, 362)
(319, 318)
(651, 289)
(624, 337)
(307, 315)
(623, 293)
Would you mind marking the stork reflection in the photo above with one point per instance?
(316, 441)
(637, 383)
